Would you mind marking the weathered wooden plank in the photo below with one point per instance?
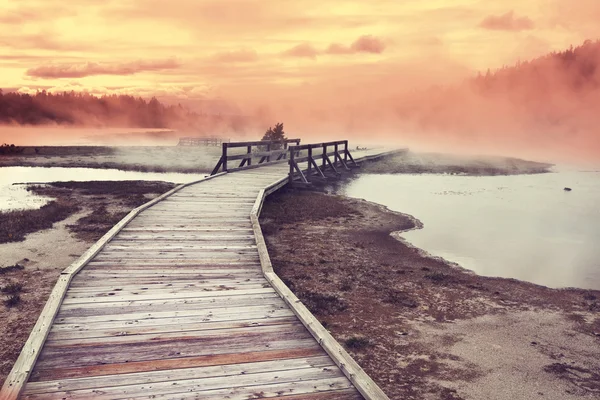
(202, 384)
(158, 246)
(171, 317)
(185, 229)
(145, 280)
(67, 385)
(180, 336)
(161, 309)
(176, 363)
(181, 272)
(319, 389)
(124, 297)
(284, 316)
(176, 257)
(93, 292)
(136, 288)
(130, 352)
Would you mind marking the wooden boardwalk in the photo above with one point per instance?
(178, 305)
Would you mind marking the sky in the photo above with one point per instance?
(275, 58)
(233, 48)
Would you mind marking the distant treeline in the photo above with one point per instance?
(573, 69)
(75, 108)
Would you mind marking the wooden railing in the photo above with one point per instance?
(265, 151)
(319, 152)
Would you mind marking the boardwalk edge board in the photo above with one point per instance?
(359, 378)
(19, 375)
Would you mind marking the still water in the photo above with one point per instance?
(17, 197)
(525, 227)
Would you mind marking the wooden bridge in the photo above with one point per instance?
(179, 301)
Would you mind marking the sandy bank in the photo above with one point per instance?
(422, 328)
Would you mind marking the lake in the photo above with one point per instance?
(525, 227)
(17, 197)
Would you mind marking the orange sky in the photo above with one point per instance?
(324, 67)
(241, 48)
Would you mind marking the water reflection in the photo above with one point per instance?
(525, 227)
(17, 197)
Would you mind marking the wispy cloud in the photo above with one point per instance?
(303, 50)
(236, 56)
(364, 44)
(507, 22)
(80, 70)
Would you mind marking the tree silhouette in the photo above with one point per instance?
(275, 134)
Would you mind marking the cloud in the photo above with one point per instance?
(302, 50)
(16, 17)
(81, 70)
(236, 56)
(364, 44)
(506, 22)
(336, 48)
(368, 44)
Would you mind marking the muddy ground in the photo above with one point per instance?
(423, 328)
(184, 159)
(36, 245)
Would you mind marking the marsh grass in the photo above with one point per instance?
(15, 225)
(12, 300)
(12, 288)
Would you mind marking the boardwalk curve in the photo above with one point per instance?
(179, 300)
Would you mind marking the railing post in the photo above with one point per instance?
(291, 162)
(345, 151)
(224, 155)
(269, 149)
(335, 157)
(310, 160)
(249, 160)
(285, 147)
(324, 157)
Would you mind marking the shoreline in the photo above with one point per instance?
(385, 299)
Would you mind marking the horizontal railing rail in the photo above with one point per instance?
(266, 151)
(340, 154)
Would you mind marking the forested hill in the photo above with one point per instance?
(574, 70)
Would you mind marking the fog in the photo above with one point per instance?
(545, 110)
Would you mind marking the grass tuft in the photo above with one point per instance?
(357, 343)
(12, 300)
(12, 288)
(10, 268)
